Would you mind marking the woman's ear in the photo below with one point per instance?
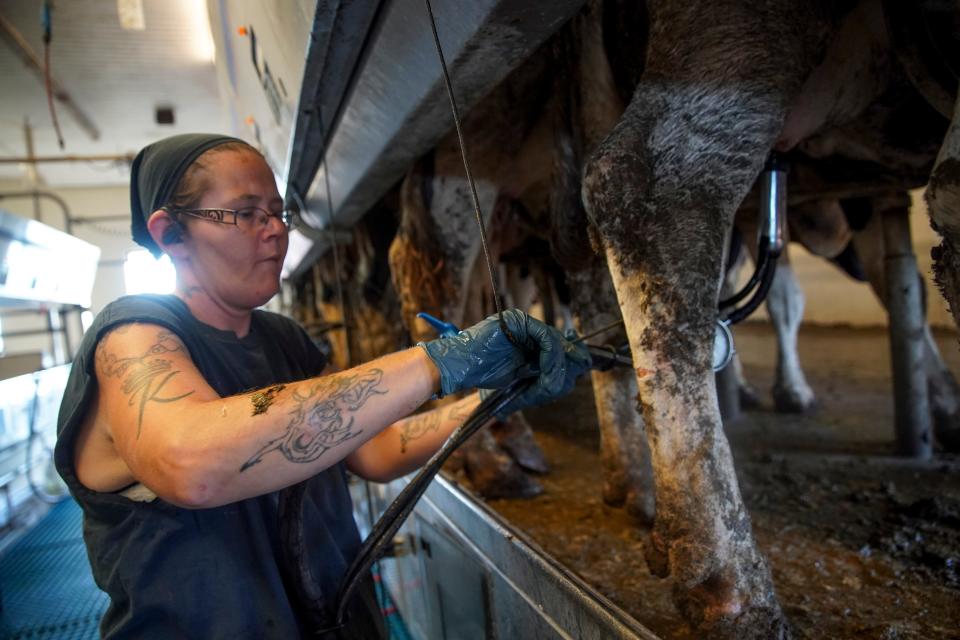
(167, 232)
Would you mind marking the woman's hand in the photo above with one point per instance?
(483, 356)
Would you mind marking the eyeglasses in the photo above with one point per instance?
(247, 219)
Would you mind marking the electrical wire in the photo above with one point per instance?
(333, 240)
(45, 19)
(469, 175)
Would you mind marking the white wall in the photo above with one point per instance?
(834, 298)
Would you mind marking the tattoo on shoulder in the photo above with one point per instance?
(143, 376)
(420, 425)
(262, 399)
(322, 416)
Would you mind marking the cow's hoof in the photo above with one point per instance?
(494, 474)
(637, 501)
(516, 437)
(794, 400)
(754, 624)
(614, 493)
(720, 611)
(749, 398)
(641, 505)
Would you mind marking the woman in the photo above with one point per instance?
(190, 420)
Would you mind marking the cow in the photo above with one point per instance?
(849, 234)
(671, 118)
(346, 301)
(434, 257)
(721, 85)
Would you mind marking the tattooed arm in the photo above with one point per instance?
(407, 444)
(156, 420)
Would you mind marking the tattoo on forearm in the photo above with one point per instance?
(144, 376)
(263, 399)
(458, 413)
(420, 425)
(322, 416)
(417, 427)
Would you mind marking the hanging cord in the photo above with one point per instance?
(604, 329)
(47, 80)
(332, 234)
(469, 175)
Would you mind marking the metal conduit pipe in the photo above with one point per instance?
(773, 212)
(67, 218)
(905, 308)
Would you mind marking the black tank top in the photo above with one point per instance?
(225, 572)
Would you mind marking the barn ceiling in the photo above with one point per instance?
(117, 76)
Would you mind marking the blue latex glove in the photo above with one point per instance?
(577, 362)
(482, 355)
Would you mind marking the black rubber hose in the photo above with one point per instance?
(382, 533)
(740, 313)
(763, 260)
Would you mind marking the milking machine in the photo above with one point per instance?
(773, 215)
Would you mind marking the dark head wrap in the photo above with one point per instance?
(157, 171)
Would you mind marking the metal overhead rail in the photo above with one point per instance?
(393, 109)
(102, 157)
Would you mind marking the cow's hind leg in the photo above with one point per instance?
(791, 393)
(943, 201)
(624, 452)
(662, 190)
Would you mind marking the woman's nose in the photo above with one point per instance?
(274, 226)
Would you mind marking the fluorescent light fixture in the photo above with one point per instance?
(198, 22)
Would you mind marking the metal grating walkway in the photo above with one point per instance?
(47, 588)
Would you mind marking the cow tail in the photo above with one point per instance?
(568, 219)
(416, 255)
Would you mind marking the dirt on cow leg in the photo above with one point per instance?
(702, 534)
(943, 203)
(946, 269)
(515, 436)
(667, 281)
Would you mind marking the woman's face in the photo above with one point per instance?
(238, 269)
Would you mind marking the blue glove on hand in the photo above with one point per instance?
(577, 362)
(483, 356)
